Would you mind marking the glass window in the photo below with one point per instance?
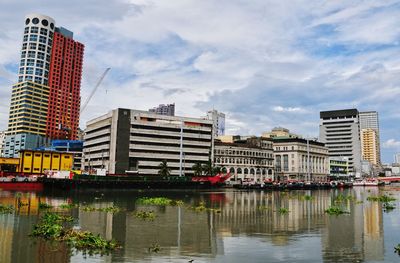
(286, 162)
(33, 37)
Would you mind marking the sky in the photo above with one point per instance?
(264, 63)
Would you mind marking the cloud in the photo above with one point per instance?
(392, 144)
(260, 62)
(288, 109)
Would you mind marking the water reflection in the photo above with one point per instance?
(184, 234)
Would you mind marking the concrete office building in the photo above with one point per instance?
(280, 132)
(249, 159)
(163, 109)
(136, 142)
(338, 168)
(300, 159)
(370, 149)
(218, 119)
(339, 130)
(2, 139)
(397, 158)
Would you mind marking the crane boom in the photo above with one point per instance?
(94, 90)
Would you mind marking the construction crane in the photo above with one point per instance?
(65, 124)
(83, 107)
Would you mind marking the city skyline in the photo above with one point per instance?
(280, 66)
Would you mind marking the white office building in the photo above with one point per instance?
(340, 131)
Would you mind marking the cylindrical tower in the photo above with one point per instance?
(36, 49)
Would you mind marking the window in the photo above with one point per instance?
(33, 38)
(285, 162)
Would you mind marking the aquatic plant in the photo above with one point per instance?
(307, 197)
(382, 198)
(200, 207)
(145, 215)
(162, 201)
(110, 209)
(341, 198)
(283, 210)
(388, 207)
(6, 209)
(335, 210)
(397, 249)
(45, 206)
(53, 227)
(68, 206)
(155, 247)
(89, 208)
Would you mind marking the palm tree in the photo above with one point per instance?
(164, 170)
(216, 170)
(197, 169)
(208, 168)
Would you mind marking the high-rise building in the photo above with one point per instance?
(340, 131)
(370, 146)
(397, 158)
(163, 109)
(46, 100)
(370, 120)
(65, 85)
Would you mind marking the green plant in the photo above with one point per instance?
(397, 249)
(6, 209)
(388, 207)
(68, 206)
(307, 197)
(53, 227)
(341, 198)
(381, 198)
(335, 210)
(197, 169)
(110, 209)
(154, 248)
(164, 170)
(145, 215)
(45, 206)
(163, 201)
(283, 210)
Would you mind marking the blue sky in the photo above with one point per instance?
(265, 63)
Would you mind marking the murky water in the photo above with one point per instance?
(244, 227)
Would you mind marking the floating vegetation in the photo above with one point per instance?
(201, 207)
(145, 215)
(163, 201)
(6, 209)
(283, 210)
(387, 207)
(89, 208)
(45, 206)
(53, 227)
(68, 206)
(335, 210)
(307, 197)
(342, 198)
(359, 202)
(110, 209)
(397, 249)
(154, 248)
(381, 198)
(263, 207)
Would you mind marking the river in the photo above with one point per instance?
(242, 226)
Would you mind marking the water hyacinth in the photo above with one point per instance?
(335, 210)
(162, 201)
(6, 209)
(54, 227)
(145, 215)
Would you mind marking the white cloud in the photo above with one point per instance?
(288, 109)
(392, 144)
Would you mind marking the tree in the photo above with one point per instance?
(164, 170)
(208, 168)
(216, 170)
(197, 169)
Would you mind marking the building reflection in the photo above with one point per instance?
(183, 232)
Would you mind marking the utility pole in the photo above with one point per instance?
(181, 150)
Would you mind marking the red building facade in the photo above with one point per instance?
(65, 84)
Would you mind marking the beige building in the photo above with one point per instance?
(279, 132)
(370, 146)
(247, 159)
(300, 159)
